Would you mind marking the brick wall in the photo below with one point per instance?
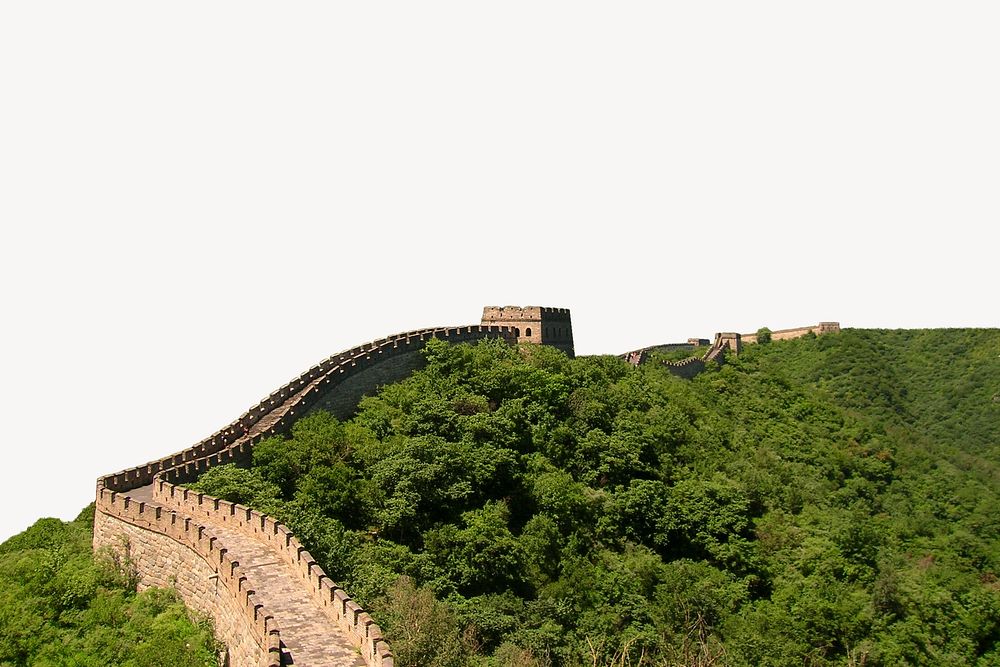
(169, 551)
(330, 599)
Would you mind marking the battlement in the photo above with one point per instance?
(523, 312)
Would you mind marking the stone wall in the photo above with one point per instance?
(330, 599)
(166, 530)
(725, 342)
(166, 534)
(640, 356)
(686, 368)
(343, 401)
(276, 413)
(166, 551)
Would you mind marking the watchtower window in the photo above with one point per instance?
(527, 332)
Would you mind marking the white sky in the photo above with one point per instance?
(199, 200)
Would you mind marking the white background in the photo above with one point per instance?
(199, 200)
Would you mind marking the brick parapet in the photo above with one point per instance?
(641, 356)
(335, 602)
(200, 540)
(724, 342)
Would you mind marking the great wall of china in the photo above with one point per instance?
(271, 603)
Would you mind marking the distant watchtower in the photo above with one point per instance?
(542, 326)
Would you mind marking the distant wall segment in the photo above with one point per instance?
(797, 332)
(692, 366)
(725, 343)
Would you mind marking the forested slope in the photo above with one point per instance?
(61, 606)
(823, 501)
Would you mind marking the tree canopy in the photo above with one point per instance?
(831, 500)
(61, 605)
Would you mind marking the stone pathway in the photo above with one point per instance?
(144, 494)
(309, 637)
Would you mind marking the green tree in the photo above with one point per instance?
(62, 605)
(424, 631)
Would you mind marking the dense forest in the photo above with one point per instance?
(830, 500)
(60, 606)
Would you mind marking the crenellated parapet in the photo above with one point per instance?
(329, 598)
(168, 536)
(276, 413)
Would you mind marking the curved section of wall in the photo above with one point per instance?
(275, 414)
(684, 368)
(240, 428)
(641, 356)
(145, 505)
(329, 598)
(169, 550)
(344, 397)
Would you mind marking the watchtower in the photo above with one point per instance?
(534, 324)
(732, 340)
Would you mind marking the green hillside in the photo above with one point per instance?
(59, 606)
(823, 501)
